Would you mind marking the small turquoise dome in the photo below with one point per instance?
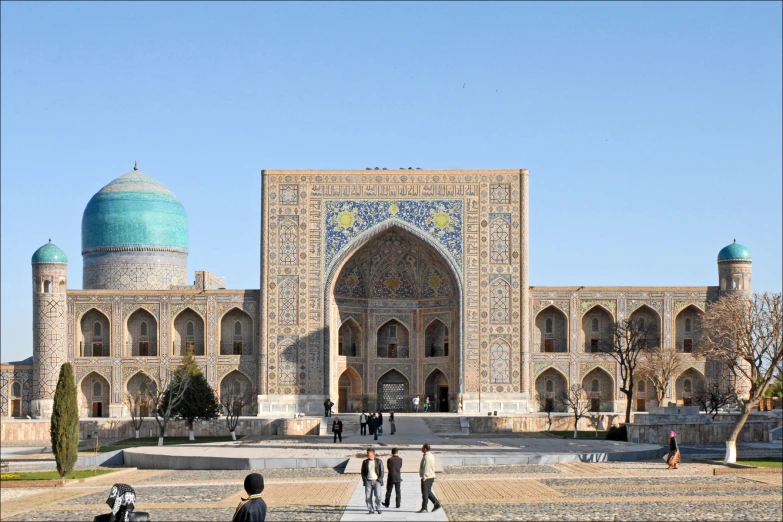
(734, 252)
(134, 210)
(49, 253)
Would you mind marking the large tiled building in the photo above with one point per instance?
(376, 285)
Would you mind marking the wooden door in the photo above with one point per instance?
(640, 405)
(595, 404)
(144, 349)
(16, 407)
(443, 398)
(97, 409)
(342, 399)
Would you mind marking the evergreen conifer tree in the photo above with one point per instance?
(200, 401)
(64, 427)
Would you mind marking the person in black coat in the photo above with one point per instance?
(337, 429)
(252, 508)
(394, 467)
(372, 478)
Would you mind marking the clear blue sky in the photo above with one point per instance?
(652, 130)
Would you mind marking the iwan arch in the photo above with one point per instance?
(376, 285)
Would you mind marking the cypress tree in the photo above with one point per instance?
(200, 401)
(64, 427)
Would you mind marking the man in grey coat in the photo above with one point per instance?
(372, 478)
(427, 474)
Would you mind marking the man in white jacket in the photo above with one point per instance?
(427, 474)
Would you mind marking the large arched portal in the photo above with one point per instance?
(395, 309)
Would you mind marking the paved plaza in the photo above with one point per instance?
(637, 490)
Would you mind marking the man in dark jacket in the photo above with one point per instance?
(363, 423)
(372, 478)
(337, 429)
(252, 508)
(394, 466)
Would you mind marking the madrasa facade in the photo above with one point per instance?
(375, 286)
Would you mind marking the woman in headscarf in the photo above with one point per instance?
(122, 501)
(673, 458)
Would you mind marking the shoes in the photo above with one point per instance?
(372, 512)
(422, 511)
(379, 511)
(385, 504)
(436, 508)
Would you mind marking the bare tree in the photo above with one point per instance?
(745, 333)
(546, 404)
(134, 401)
(714, 396)
(233, 402)
(659, 366)
(576, 400)
(167, 397)
(624, 342)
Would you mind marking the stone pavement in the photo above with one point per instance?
(643, 490)
(356, 510)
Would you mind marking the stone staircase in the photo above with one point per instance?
(350, 423)
(443, 425)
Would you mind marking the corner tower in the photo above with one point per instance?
(50, 277)
(735, 269)
(134, 236)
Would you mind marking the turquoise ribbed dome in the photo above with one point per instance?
(49, 253)
(134, 210)
(734, 252)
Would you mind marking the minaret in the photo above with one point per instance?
(50, 277)
(735, 269)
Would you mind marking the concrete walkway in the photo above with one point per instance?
(409, 430)
(356, 510)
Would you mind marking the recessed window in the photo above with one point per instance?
(16, 389)
(143, 328)
(641, 387)
(47, 286)
(594, 326)
(595, 386)
(97, 389)
(189, 329)
(687, 386)
(688, 324)
(96, 329)
(238, 329)
(550, 386)
(548, 326)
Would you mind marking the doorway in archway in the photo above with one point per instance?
(392, 391)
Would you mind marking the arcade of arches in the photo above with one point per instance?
(395, 310)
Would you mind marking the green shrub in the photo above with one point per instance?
(64, 427)
(617, 433)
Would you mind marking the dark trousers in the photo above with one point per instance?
(363, 426)
(398, 496)
(338, 435)
(427, 494)
(326, 411)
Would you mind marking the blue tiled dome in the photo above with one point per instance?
(49, 253)
(734, 252)
(134, 210)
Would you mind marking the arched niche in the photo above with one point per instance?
(349, 339)
(94, 334)
(686, 386)
(141, 330)
(349, 391)
(649, 318)
(599, 386)
(188, 333)
(551, 330)
(393, 391)
(595, 327)
(393, 340)
(94, 396)
(686, 329)
(237, 388)
(549, 384)
(436, 387)
(436, 339)
(236, 333)
(142, 389)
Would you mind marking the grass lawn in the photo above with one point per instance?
(53, 475)
(153, 441)
(764, 462)
(581, 434)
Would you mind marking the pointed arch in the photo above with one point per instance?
(237, 387)
(232, 343)
(646, 312)
(599, 385)
(393, 340)
(349, 393)
(349, 338)
(686, 331)
(602, 307)
(183, 339)
(436, 339)
(550, 333)
(92, 341)
(590, 337)
(138, 343)
(687, 384)
(90, 403)
(436, 387)
(139, 375)
(549, 383)
(393, 389)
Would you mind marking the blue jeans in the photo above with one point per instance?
(370, 489)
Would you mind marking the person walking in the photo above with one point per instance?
(416, 404)
(376, 426)
(371, 423)
(363, 423)
(326, 407)
(372, 478)
(337, 429)
(252, 508)
(122, 500)
(427, 404)
(427, 474)
(380, 422)
(393, 428)
(394, 467)
(673, 458)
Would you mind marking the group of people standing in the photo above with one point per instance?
(374, 422)
(372, 479)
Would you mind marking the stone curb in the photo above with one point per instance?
(58, 483)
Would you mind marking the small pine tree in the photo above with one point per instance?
(64, 427)
(200, 401)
